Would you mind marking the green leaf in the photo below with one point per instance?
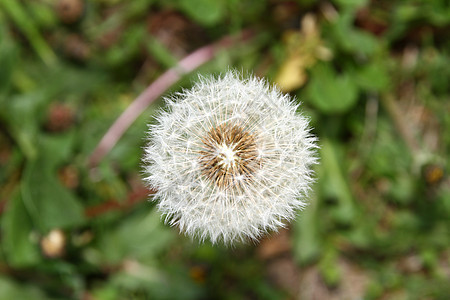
(17, 227)
(351, 39)
(373, 77)
(206, 12)
(23, 21)
(8, 59)
(160, 52)
(49, 203)
(142, 237)
(353, 4)
(331, 93)
(56, 149)
(329, 267)
(306, 234)
(130, 42)
(387, 148)
(336, 183)
(20, 115)
(44, 15)
(12, 290)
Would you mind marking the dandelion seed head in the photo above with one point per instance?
(230, 159)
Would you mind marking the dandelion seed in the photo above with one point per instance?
(230, 159)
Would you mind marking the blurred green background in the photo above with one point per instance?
(373, 75)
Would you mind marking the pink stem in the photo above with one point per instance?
(151, 93)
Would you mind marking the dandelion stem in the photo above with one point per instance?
(158, 87)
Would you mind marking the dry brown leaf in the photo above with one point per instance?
(303, 48)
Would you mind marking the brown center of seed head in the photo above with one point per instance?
(229, 155)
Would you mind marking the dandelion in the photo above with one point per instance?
(230, 159)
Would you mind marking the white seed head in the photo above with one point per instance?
(230, 159)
